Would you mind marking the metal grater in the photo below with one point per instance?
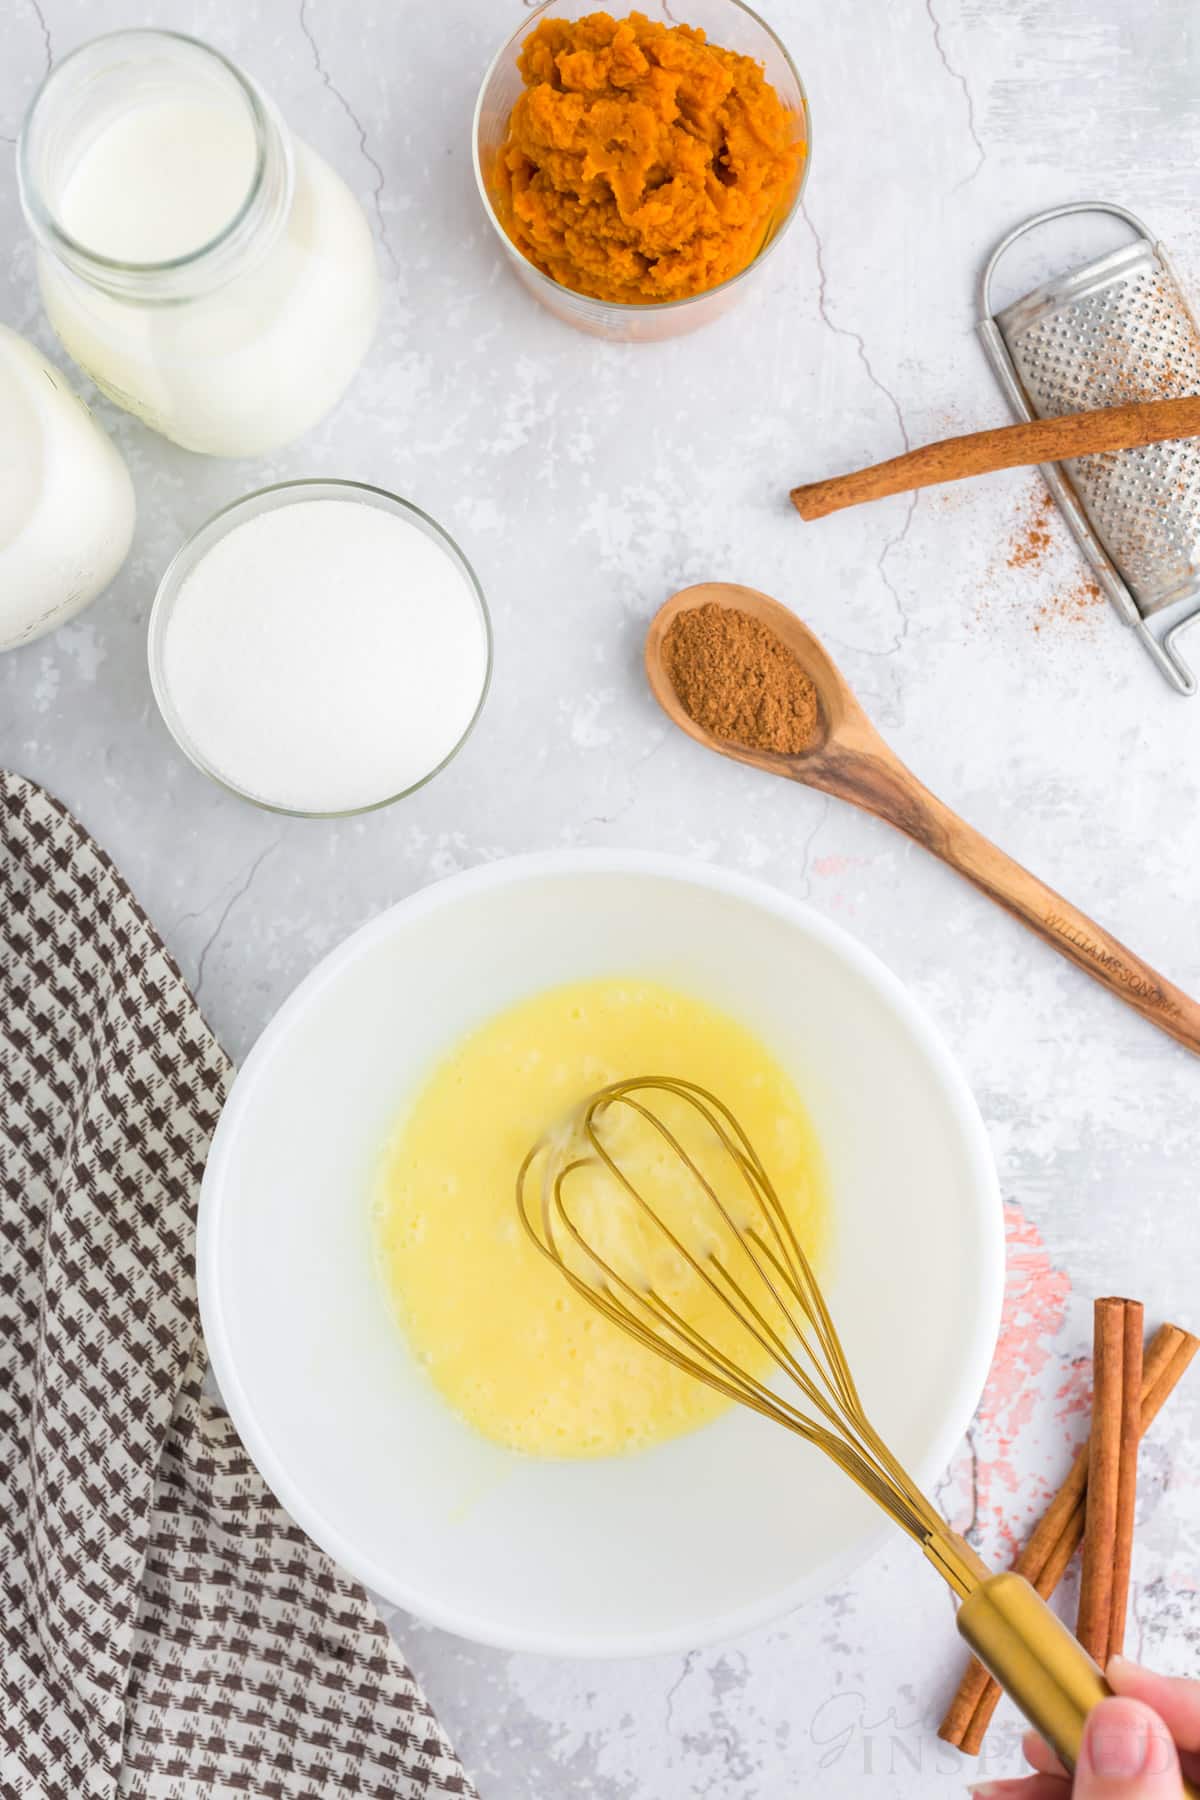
(1113, 330)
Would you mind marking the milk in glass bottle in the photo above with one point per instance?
(206, 268)
(66, 500)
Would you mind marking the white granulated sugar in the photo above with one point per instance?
(325, 655)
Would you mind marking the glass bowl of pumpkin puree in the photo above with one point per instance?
(640, 167)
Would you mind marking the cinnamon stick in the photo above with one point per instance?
(1113, 1441)
(1059, 1533)
(1125, 427)
(1131, 1402)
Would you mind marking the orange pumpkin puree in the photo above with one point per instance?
(642, 163)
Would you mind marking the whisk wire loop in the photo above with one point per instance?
(757, 1273)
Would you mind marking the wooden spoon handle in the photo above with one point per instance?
(879, 782)
(1008, 447)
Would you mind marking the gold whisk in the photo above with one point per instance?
(742, 1250)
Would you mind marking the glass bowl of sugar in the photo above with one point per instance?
(320, 648)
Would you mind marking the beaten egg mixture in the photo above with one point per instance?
(504, 1338)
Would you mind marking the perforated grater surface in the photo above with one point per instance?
(1112, 330)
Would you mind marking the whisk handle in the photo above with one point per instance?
(1036, 1661)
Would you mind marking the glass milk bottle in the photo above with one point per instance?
(66, 500)
(208, 271)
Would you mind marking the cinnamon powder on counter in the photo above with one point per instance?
(1036, 543)
(1074, 605)
(1034, 537)
(738, 680)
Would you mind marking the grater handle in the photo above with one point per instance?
(986, 314)
(1166, 653)
(860, 768)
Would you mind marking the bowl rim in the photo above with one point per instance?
(982, 1193)
(629, 309)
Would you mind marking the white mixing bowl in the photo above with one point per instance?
(668, 1548)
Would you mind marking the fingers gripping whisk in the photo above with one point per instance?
(656, 1207)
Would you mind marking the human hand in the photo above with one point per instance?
(1136, 1747)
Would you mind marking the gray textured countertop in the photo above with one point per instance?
(588, 481)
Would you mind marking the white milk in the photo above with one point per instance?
(66, 500)
(321, 655)
(160, 181)
(211, 274)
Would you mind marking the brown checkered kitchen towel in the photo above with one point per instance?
(166, 1629)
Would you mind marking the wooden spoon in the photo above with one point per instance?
(851, 760)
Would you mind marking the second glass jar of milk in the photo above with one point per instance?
(208, 271)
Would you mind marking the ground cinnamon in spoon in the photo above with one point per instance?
(738, 680)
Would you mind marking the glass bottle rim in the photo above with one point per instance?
(48, 228)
